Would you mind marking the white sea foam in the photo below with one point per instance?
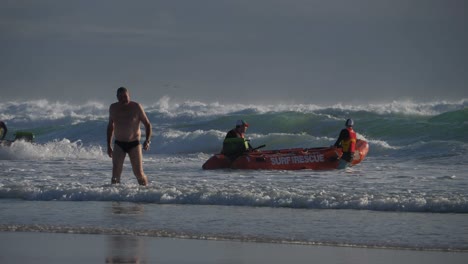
(234, 194)
(39, 110)
(57, 149)
(407, 107)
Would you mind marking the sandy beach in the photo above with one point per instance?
(32, 247)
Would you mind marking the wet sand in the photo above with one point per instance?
(38, 247)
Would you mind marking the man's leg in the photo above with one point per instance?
(343, 164)
(136, 158)
(118, 157)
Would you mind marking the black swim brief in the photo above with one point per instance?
(127, 146)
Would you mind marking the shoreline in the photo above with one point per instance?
(335, 228)
(43, 247)
(214, 238)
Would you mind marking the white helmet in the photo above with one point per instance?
(349, 123)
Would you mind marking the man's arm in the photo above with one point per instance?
(343, 135)
(110, 132)
(148, 128)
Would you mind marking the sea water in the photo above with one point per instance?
(410, 192)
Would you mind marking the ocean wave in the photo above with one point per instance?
(173, 141)
(405, 107)
(39, 110)
(57, 149)
(210, 141)
(192, 126)
(241, 196)
(457, 116)
(43, 110)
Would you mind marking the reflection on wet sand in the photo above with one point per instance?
(126, 249)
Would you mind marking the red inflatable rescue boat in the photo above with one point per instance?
(325, 158)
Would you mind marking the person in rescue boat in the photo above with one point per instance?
(234, 143)
(347, 141)
(3, 130)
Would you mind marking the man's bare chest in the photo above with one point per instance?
(125, 116)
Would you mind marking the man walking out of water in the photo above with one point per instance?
(124, 125)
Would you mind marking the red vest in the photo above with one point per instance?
(349, 144)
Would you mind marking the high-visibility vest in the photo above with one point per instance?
(235, 146)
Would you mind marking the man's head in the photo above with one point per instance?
(241, 126)
(123, 96)
(349, 123)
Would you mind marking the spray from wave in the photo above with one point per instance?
(57, 149)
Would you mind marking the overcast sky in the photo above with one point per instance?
(267, 51)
